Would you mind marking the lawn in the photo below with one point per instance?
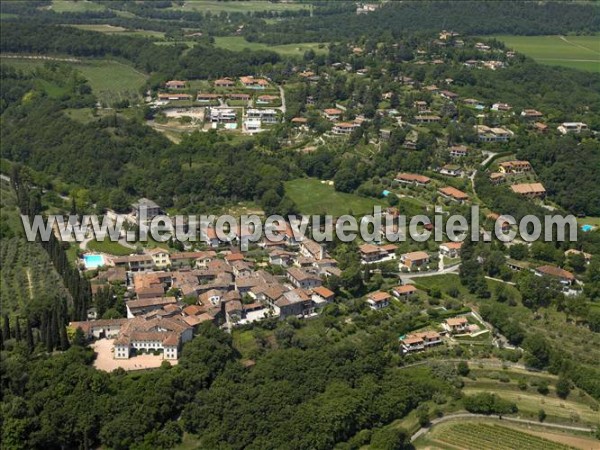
(451, 281)
(111, 80)
(593, 221)
(313, 197)
(112, 248)
(217, 7)
(239, 43)
(577, 52)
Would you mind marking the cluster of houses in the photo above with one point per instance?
(225, 106)
(170, 294)
(423, 340)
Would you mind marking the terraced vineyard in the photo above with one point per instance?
(27, 275)
(483, 436)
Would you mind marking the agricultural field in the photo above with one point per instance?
(577, 52)
(487, 436)
(239, 43)
(27, 276)
(217, 7)
(314, 197)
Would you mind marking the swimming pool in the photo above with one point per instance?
(93, 261)
(587, 228)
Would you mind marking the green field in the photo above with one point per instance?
(110, 80)
(112, 248)
(216, 7)
(238, 43)
(314, 197)
(577, 52)
(110, 29)
(62, 6)
(593, 221)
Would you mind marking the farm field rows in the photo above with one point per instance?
(484, 436)
(530, 403)
(26, 272)
(577, 52)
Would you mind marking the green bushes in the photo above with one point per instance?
(486, 403)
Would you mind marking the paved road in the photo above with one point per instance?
(490, 155)
(449, 417)
(409, 276)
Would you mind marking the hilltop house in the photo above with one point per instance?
(173, 97)
(498, 134)
(530, 190)
(454, 194)
(145, 209)
(250, 82)
(564, 276)
(332, 114)
(414, 259)
(264, 115)
(344, 128)
(515, 166)
(222, 115)
(378, 300)
(224, 82)
(405, 291)
(451, 249)
(175, 84)
(457, 151)
(572, 127)
(411, 178)
(531, 114)
(456, 325)
(420, 341)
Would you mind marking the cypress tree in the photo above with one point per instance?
(6, 328)
(29, 337)
(17, 330)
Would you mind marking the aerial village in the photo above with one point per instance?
(168, 294)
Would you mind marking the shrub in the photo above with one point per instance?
(486, 403)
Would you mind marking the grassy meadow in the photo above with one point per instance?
(110, 80)
(314, 197)
(217, 7)
(239, 43)
(110, 29)
(577, 52)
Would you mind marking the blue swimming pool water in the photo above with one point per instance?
(386, 193)
(587, 228)
(93, 261)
